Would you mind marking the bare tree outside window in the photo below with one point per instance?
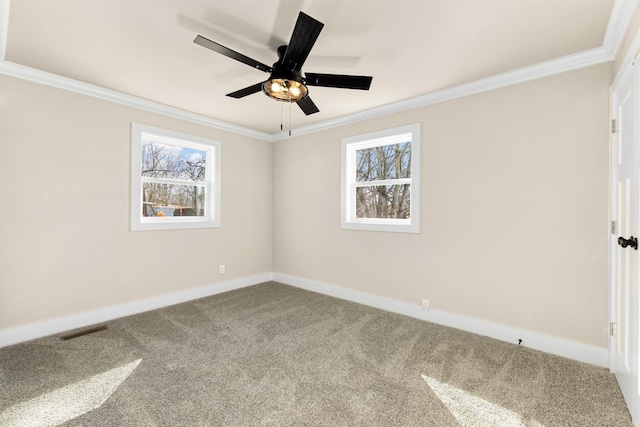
(376, 197)
(175, 180)
(381, 180)
(181, 165)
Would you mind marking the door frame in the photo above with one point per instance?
(626, 72)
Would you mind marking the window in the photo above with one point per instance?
(380, 180)
(175, 180)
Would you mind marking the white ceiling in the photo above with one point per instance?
(411, 48)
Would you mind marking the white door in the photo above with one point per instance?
(625, 211)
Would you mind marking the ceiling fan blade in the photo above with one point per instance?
(246, 91)
(339, 81)
(307, 106)
(304, 36)
(217, 47)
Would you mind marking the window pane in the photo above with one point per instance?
(387, 162)
(383, 201)
(173, 162)
(172, 200)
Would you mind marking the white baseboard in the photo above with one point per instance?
(549, 344)
(31, 331)
(570, 349)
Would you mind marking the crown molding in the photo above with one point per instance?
(625, 67)
(50, 79)
(621, 15)
(4, 27)
(544, 69)
(42, 77)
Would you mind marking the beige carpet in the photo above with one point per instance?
(275, 355)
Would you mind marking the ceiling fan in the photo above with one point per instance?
(286, 81)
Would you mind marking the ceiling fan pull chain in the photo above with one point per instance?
(281, 115)
(289, 117)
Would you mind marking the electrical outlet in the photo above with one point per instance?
(222, 269)
(425, 304)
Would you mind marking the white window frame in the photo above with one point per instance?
(212, 179)
(376, 139)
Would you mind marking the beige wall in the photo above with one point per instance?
(65, 243)
(513, 210)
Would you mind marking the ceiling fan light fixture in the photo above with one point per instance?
(284, 89)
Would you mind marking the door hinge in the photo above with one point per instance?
(613, 329)
(614, 126)
(613, 227)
